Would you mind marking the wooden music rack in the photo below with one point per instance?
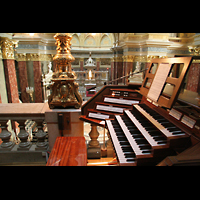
(156, 80)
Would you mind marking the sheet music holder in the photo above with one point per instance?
(155, 81)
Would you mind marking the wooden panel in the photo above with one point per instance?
(68, 151)
(104, 91)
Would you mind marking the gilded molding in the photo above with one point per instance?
(20, 57)
(39, 57)
(140, 59)
(149, 58)
(46, 57)
(118, 59)
(128, 58)
(7, 47)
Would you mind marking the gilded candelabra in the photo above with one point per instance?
(30, 91)
(64, 88)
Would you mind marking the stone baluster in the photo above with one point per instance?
(5, 136)
(41, 135)
(23, 136)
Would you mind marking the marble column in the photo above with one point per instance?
(112, 70)
(37, 81)
(81, 64)
(23, 78)
(118, 69)
(7, 48)
(3, 91)
(98, 64)
(128, 66)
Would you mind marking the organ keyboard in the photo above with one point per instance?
(146, 129)
(148, 132)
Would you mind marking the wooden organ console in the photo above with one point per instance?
(149, 125)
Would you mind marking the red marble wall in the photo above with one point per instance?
(112, 71)
(193, 83)
(23, 81)
(128, 67)
(98, 66)
(11, 81)
(81, 65)
(119, 69)
(37, 81)
(115, 73)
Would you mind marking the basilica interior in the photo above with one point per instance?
(106, 64)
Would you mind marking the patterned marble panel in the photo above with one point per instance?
(37, 81)
(193, 83)
(11, 80)
(23, 81)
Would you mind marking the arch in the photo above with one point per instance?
(105, 41)
(89, 41)
(75, 40)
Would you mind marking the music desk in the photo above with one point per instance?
(68, 151)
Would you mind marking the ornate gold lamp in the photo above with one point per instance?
(64, 89)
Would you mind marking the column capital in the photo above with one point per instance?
(98, 59)
(118, 59)
(7, 47)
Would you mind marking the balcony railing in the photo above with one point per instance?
(27, 140)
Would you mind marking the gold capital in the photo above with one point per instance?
(7, 47)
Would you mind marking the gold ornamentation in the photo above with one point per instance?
(150, 57)
(128, 58)
(64, 89)
(118, 59)
(7, 47)
(20, 57)
(140, 59)
(194, 50)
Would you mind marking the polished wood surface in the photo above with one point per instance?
(124, 93)
(68, 151)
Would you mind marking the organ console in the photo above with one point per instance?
(153, 123)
